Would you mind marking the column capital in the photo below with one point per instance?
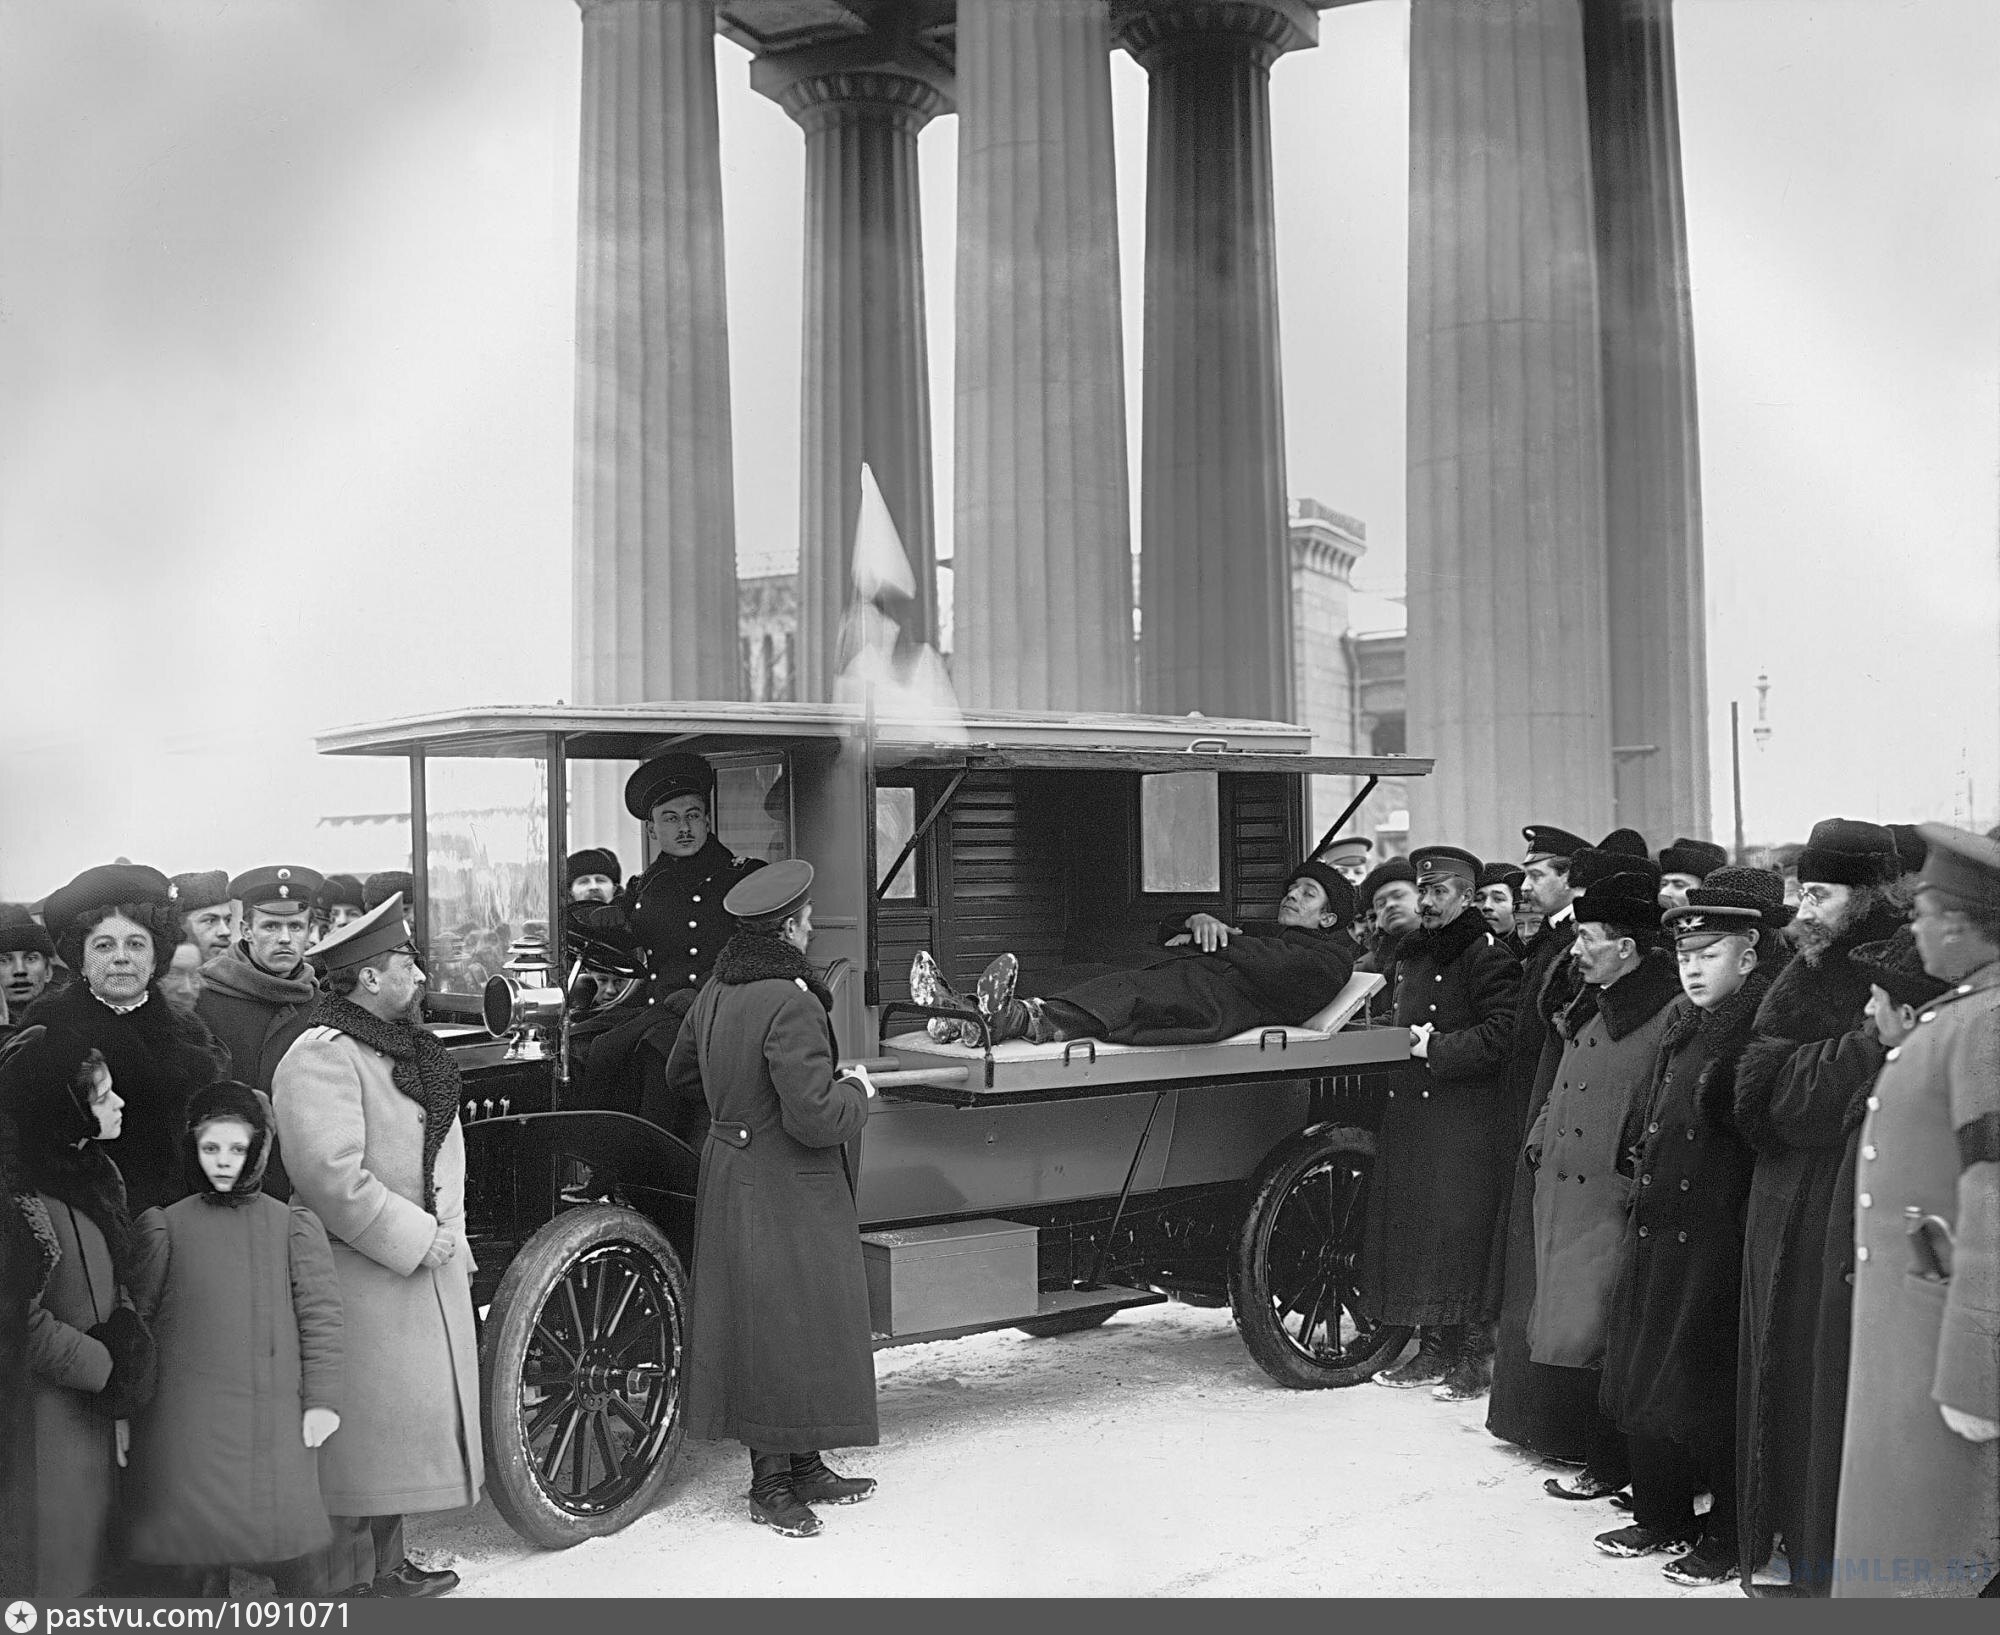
(1153, 29)
(905, 83)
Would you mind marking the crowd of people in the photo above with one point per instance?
(1695, 1184)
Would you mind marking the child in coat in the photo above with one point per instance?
(246, 1307)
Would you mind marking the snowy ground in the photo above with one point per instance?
(1147, 1457)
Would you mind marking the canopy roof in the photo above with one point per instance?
(981, 738)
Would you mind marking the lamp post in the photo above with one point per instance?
(1736, 776)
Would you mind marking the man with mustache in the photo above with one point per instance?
(1811, 1059)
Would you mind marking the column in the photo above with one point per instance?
(1042, 528)
(654, 578)
(1509, 672)
(1214, 577)
(867, 384)
(1652, 520)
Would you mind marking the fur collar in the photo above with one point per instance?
(1447, 943)
(423, 1071)
(1630, 1002)
(751, 956)
(234, 972)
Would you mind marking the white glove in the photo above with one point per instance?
(1969, 1426)
(859, 1074)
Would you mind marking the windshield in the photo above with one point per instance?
(487, 851)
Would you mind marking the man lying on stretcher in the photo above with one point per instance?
(1220, 979)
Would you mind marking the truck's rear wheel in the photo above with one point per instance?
(1294, 1277)
(581, 1368)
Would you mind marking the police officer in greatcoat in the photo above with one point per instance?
(671, 916)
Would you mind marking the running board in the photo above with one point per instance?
(1050, 1303)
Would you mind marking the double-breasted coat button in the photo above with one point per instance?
(1866, 1201)
(1874, 1102)
(1427, 1095)
(1868, 1153)
(1652, 1129)
(1690, 1135)
(1645, 1231)
(694, 925)
(1646, 1180)
(1895, 1051)
(1861, 1253)
(1684, 1184)
(1682, 1236)
(1928, 1016)
(697, 896)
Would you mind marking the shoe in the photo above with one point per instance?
(996, 985)
(773, 1504)
(814, 1482)
(929, 989)
(1641, 1541)
(1622, 1501)
(1465, 1383)
(1709, 1563)
(1585, 1484)
(408, 1579)
(1431, 1364)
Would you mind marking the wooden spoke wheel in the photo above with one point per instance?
(581, 1371)
(1294, 1278)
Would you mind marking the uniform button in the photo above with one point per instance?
(1874, 1102)
(1895, 1051)
(1645, 1231)
(1682, 1236)
(692, 978)
(695, 951)
(694, 925)
(1427, 1095)
(697, 896)
(1652, 1129)
(1439, 977)
(1861, 1253)
(1433, 1009)
(1684, 1185)
(1929, 1016)
(1690, 1135)
(1866, 1201)
(1646, 1180)
(1868, 1153)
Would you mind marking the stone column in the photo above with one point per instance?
(867, 383)
(1042, 527)
(654, 578)
(1214, 579)
(1509, 674)
(1652, 521)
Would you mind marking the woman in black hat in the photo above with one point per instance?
(117, 929)
(91, 1358)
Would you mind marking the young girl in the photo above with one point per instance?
(246, 1306)
(89, 1356)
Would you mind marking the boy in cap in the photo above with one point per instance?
(1349, 855)
(779, 1353)
(1670, 1363)
(1500, 886)
(1920, 1469)
(1446, 1137)
(27, 957)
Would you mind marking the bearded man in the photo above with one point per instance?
(1803, 1079)
(1447, 1132)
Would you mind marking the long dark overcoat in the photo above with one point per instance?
(1582, 1201)
(1799, 1089)
(1265, 974)
(247, 1313)
(1670, 1364)
(780, 1356)
(1447, 1131)
(255, 1014)
(1912, 1490)
(1547, 1410)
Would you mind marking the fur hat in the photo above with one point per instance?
(1338, 888)
(1626, 842)
(1895, 966)
(1910, 848)
(109, 885)
(20, 934)
(593, 860)
(1510, 875)
(1846, 852)
(1629, 903)
(208, 888)
(339, 891)
(1699, 858)
(1730, 900)
(1593, 864)
(377, 889)
(1382, 874)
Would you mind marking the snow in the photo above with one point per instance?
(1147, 1457)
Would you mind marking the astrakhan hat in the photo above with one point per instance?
(207, 888)
(1627, 902)
(664, 777)
(1897, 968)
(1593, 863)
(772, 892)
(1699, 858)
(1910, 847)
(1728, 903)
(1338, 888)
(593, 860)
(366, 941)
(19, 934)
(1846, 852)
(379, 888)
(277, 885)
(1510, 875)
(1627, 843)
(1383, 874)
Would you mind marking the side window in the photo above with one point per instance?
(895, 820)
(1180, 832)
(753, 814)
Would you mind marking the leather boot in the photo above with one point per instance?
(815, 1483)
(1429, 1365)
(773, 1504)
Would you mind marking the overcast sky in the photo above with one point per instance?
(286, 386)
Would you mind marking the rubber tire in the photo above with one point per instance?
(1065, 1322)
(529, 1280)
(1249, 1286)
